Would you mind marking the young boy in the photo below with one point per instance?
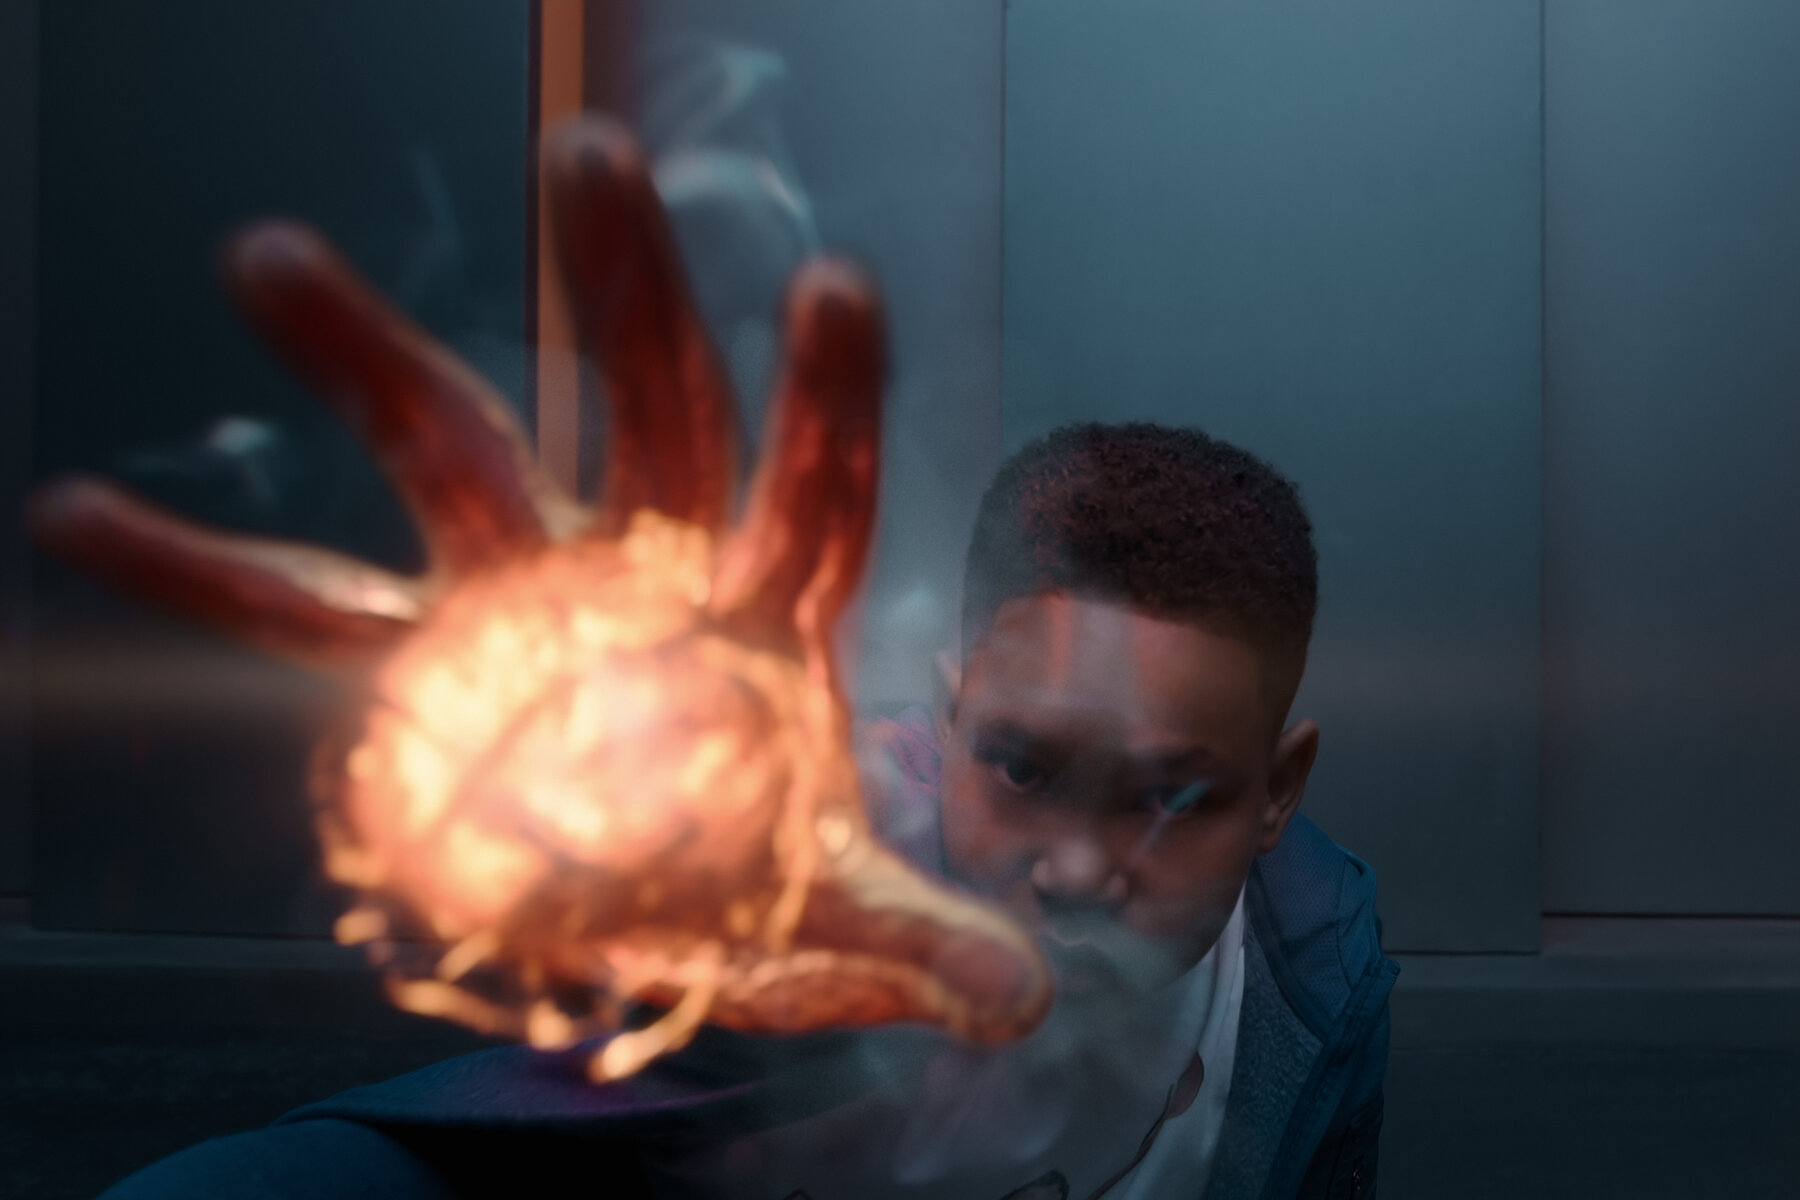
(1111, 762)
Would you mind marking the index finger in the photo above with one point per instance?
(793, 563)
(439, 430)
(672, 428)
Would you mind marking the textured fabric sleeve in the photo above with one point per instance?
(343, 1160)
(1344, 1166)
(307, 1160)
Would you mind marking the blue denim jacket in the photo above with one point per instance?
(1303, 1117)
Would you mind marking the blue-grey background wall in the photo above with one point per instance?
(892, 111)
(18, 355)
(169, 770)
(1672, 431)
(1313, 229)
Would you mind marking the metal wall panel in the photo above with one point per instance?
(891, 110)
(18, 322)
(169, 770)
(1314, 229)
(1672, 535)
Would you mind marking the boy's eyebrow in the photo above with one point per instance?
(1174, 760)
(1166, 760)
(1003, 729)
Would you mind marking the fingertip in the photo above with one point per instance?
(604, 208)
(834, 281)
(63, 505)
(272, 255)
(835, 319)
(593, 150)
(77, 519)
(274, 243)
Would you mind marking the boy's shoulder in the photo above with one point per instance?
(1311, 905)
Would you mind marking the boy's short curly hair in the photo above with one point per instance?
(1166, 520)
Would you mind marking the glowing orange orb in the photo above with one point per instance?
(606, 755)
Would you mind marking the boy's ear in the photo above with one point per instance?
(1295, 751)
(946, 687)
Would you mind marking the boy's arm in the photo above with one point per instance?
(307, 1160)
(333, 1159)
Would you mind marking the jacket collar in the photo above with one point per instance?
(1294, 1062)
(1275, 1056)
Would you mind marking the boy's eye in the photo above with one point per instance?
(1017, 772)
(1174, 801)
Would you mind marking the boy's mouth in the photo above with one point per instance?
(1082, 972)
(1093, 955)
(1082, 966)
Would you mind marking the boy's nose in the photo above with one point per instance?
(1078, 867)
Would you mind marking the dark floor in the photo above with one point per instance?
(1540, 1078)
(1555, 1122)
(78, 1112)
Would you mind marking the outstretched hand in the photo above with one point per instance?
(605, 755)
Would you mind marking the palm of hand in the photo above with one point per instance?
(606, 752)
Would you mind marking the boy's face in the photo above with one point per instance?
(1073, 744)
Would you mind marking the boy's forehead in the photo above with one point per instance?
(1063, 663)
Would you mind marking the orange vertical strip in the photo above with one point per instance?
(559, 56)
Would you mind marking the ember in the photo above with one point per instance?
(605, 757)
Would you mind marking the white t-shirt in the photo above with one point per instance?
(1182, 1153)
(1052, 1117)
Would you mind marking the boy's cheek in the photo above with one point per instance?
(974, 846)
(1198, 880)
(982, 852)
(1190, 920)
